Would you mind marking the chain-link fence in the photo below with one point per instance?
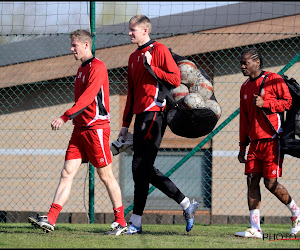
(37, 85)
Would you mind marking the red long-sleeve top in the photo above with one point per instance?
(142, 86)
(276, 97)
(91, 108)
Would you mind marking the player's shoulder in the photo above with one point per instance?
(158, 45)
(273, 78)
(96, 62)
(245, 83)
(161, 49)
(272, 75)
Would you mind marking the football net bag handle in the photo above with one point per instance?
(260, 88)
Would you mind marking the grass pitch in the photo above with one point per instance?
(24, 235)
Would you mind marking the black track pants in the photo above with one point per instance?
(149, 128)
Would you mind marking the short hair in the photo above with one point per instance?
(141, 20)
(82, 36)
(254, 54)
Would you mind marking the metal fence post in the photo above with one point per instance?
(91, 167)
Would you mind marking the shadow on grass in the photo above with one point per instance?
(99, 229)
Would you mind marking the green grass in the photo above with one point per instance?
(23, 235)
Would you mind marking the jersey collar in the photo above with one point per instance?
(87, 62)
(254, 79)
(146, 45)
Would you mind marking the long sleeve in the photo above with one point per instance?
(169, 71)
(143, 88)
(91, 105)
(283, 100)
(276, 97)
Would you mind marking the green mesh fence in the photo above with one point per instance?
(37, 86)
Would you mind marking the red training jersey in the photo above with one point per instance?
(91, 108)
(142, 86)
(277, 98)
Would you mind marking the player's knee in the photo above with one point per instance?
(66, 175)
(104, 179)
(270, 184)
(105, 174)
(70, 168)
(253, 180)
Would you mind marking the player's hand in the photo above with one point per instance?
(241, 157)
(57, 123)
(147, 57)
(123, 133)
(259, 101)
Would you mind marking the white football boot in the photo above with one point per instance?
(250, 233)
(295, 228)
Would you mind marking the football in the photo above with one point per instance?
(203, 87)
(198, 75)
(187, 71)
(180, 92)
(214, 106)
(193, 101)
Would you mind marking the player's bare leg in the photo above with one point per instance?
(283, 195)
(119, 226)
(111, 184)
(254, 200)
(47, 223)
(66, 180)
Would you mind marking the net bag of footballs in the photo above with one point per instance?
(198, 111)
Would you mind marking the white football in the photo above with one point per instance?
(193, 101)
(180, 92)
(187, 71)
(197, 75)
(214, 106)
(203, 87)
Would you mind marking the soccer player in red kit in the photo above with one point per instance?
(90, 137)
(264, 158)
(143, 100)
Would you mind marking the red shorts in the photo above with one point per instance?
(264, 157)
(90, 145)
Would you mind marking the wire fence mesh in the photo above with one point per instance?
(37, 86)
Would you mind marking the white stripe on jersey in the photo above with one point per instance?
(100, 136)
(98, 116)
(155, 102)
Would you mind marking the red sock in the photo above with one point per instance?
(53, 213)
(119, 215)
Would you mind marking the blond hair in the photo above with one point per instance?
(82, 36)
(141, 20)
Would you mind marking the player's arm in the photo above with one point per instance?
(167, 70)
(283, 99)
(95, 82)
